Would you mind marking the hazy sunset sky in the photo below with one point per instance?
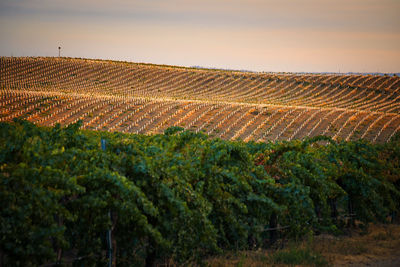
(269, 35)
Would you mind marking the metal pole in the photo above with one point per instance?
(109, 241)
(59, 51)
(109, 245)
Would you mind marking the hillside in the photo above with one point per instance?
(145, 98)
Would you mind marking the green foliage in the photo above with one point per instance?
(179, 195)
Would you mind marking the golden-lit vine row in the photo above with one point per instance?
(143, 98)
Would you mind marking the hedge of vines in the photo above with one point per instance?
(179, 196)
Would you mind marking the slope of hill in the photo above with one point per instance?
(145, 98)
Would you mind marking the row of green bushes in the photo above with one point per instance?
(179, 196)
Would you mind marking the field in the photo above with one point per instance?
(145, 98)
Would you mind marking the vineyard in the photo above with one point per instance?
(105, 162)
(178, 197)
(147, 99)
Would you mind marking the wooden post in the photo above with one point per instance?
(334, 211)
(351, 222)
(273, 223)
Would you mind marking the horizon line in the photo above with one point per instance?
(212, 68)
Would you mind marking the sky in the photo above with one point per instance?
(257, 35)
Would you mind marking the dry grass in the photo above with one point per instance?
(380, 243)
(380, 246)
